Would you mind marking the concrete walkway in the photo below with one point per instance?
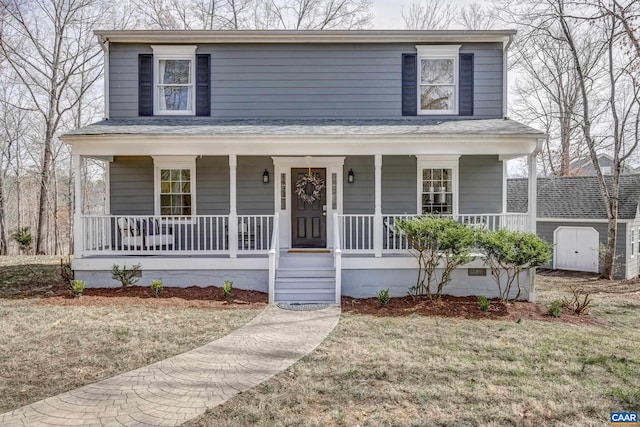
(174, 390)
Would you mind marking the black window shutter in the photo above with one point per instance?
(145, 85)
(465, 106)
(203, 85)
(409, 84)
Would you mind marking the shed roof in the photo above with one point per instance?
(574, 197)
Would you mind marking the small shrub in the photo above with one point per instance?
(509, 253)
(22, 236)
(126, 276)
(65, 270)
(440, 244)
(579, 302)
(383, 297)
(226, 289)
(555, 308)
(76, 287)
(156, 287)
(483, 303)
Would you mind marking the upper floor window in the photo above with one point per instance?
(174, 77)
(438, 79)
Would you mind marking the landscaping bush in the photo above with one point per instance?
(383, 297)
(483, 303)
(226, 289)
(579, 301)
(509, 253)
(126, 276)
(555, 308)
(76, 287)
(65, 270)
(156, 287)
(438, 243)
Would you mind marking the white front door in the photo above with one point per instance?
(576, 249)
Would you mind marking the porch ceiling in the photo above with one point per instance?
(175, 136)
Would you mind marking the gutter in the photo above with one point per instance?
(104, 44)
(505, 72)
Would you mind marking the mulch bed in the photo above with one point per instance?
(191, 297)
(456, 307)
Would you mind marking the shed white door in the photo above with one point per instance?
(576, 248)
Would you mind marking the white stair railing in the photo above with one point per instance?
(274, 258)
(337, 257)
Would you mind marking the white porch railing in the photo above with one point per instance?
(158, 235)
(356, 231)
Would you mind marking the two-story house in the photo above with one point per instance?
(280, 160)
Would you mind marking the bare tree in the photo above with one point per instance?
(48, 44)
(475, 16)
(254, 14)
(429, 15)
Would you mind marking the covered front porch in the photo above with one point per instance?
(232, 203)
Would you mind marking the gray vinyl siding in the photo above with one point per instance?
(254, 197)
(307, 81)
(123, 78)
(480, 184)
(399, 181)
(131, 185)
(359, 197)
(545, 231)
(212, 185)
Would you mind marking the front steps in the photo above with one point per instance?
(306, 278)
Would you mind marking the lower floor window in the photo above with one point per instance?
(175, 191)
(437, 191)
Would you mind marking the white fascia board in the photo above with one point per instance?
(290, 145)
(297, 36)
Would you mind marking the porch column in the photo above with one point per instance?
(76, 163)
(377, 213)
(233, 208)
(533, 191)
(532, 205)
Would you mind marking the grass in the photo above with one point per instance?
(403, 371)
(47, 349)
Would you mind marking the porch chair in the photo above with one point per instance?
(395, 238)
(155, 237)
(130, 237)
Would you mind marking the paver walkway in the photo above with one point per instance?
(174, 390)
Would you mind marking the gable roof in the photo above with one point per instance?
(209, 126)
(574, 197)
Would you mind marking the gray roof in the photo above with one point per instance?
(209, 126)
(574, 197)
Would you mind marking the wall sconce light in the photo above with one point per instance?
(351, 177)
(265, 177)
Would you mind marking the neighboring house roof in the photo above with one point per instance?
(585, 164)
(209, 126)
(304, 36)
(573, 197)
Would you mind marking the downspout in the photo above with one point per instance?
(505, 85)
(104, 44)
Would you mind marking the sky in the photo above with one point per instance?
(388, 13)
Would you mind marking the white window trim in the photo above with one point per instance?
(436, 162)
(165, 52)
(633, 240)
(439, 52)
(173, 162)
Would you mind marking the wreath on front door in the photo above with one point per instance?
(304, 182)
